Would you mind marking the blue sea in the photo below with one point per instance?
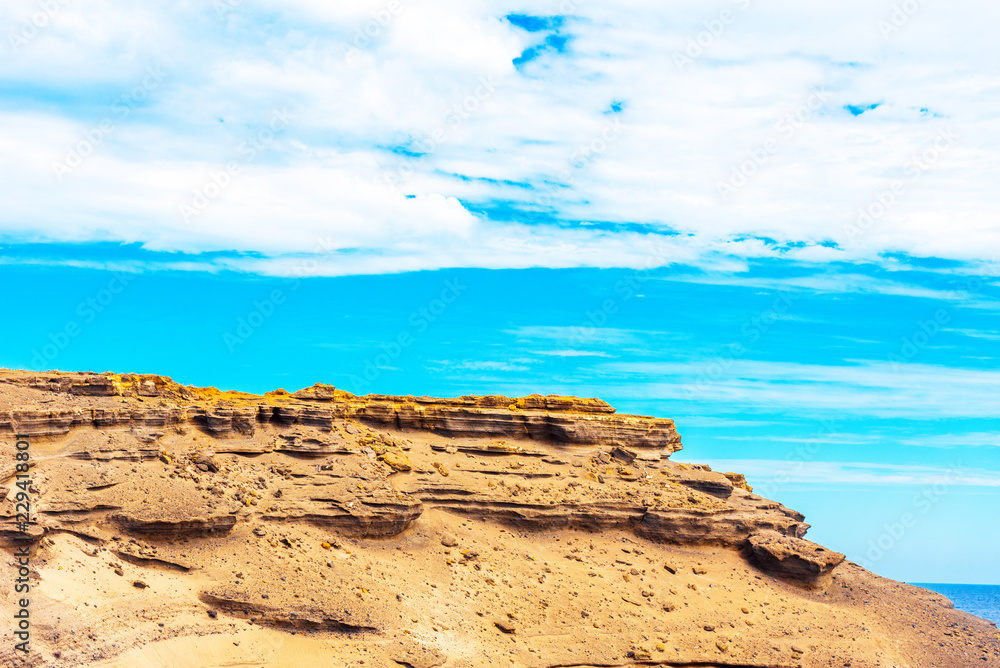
(981, 600)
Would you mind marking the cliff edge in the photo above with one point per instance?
(175, 525)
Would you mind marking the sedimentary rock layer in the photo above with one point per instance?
(537, 531)
(557, 419)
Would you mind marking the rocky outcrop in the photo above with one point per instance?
(177, 527)
(303, 618)
(568, 420)
(792, 557)
(551, 530)
(604, 471)
(540, 424)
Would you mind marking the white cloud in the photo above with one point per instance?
(833, 283)
(770, 472)
(684, 421)
(962, 440)
(863, 388)
(327, 177)
(851, 439)
(487, 365)
(976, 334)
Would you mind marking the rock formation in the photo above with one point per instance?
(188, 526)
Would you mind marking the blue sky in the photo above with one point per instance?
(774, 223)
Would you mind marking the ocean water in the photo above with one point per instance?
(981, 600)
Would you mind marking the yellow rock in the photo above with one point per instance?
(397, 461)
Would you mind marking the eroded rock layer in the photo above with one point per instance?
(557, 419)
(224, 528)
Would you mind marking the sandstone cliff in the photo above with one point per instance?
(534, 531)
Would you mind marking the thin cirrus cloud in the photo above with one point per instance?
(867, 388)
(840, 283)
(489, 133)
(959, 440)
(573, 353)
(858, 473)
(487, 365)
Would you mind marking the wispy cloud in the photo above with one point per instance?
(713, 422)
(837, 439)
(564, 335)
(964, 440)
(855, 473)
(573, 353)
(483, 365)
(868, 388)
(831, 283)
(977, 334)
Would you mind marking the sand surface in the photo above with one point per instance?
(348, 542)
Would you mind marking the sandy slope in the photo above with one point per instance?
(339, 541)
